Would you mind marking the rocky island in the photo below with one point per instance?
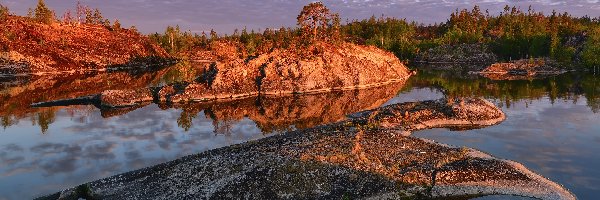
(345, 67)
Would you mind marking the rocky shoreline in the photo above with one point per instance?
(368, 155)
(521, 70)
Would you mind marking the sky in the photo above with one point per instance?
(224, 16)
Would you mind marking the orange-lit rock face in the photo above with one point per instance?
(346, 66)
(285, 71)
(57, 47)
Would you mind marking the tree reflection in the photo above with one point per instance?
(44, 119)
(185, 120)
(568, 87)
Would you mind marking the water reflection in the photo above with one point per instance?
(83, 143)
(552, 125)
(276, 114)
(567, 87)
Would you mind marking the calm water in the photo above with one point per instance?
(553, 125)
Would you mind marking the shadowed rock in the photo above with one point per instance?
(367, 156)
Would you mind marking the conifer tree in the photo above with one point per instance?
(313, 20)
(68, 17)
(43, 14)
(116, 25)
(3, 12)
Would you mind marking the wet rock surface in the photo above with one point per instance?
(366, 156)
(522, 70)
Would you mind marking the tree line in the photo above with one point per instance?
(82, 15)
(316, 24)
(513, 34)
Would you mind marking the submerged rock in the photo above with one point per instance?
(367, 156)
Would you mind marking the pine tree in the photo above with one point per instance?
(213, 35)
(3, 12)
(313, 20)
(97, 17)
(43, 14)
(117, 25)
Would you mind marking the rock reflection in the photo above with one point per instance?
(16, 99)
(276, 114)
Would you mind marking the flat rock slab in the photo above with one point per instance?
(367, 156)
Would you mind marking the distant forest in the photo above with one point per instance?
(513, 34)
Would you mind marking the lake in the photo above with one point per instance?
(552, 125)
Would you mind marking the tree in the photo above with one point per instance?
(67, 17)
(43, 14)
(134, 29)
(591, 49)
(213, 35)
(336, 32)
(314, 19)
(97, 17)
(117, 25)
(81, 12)
(3, 12)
